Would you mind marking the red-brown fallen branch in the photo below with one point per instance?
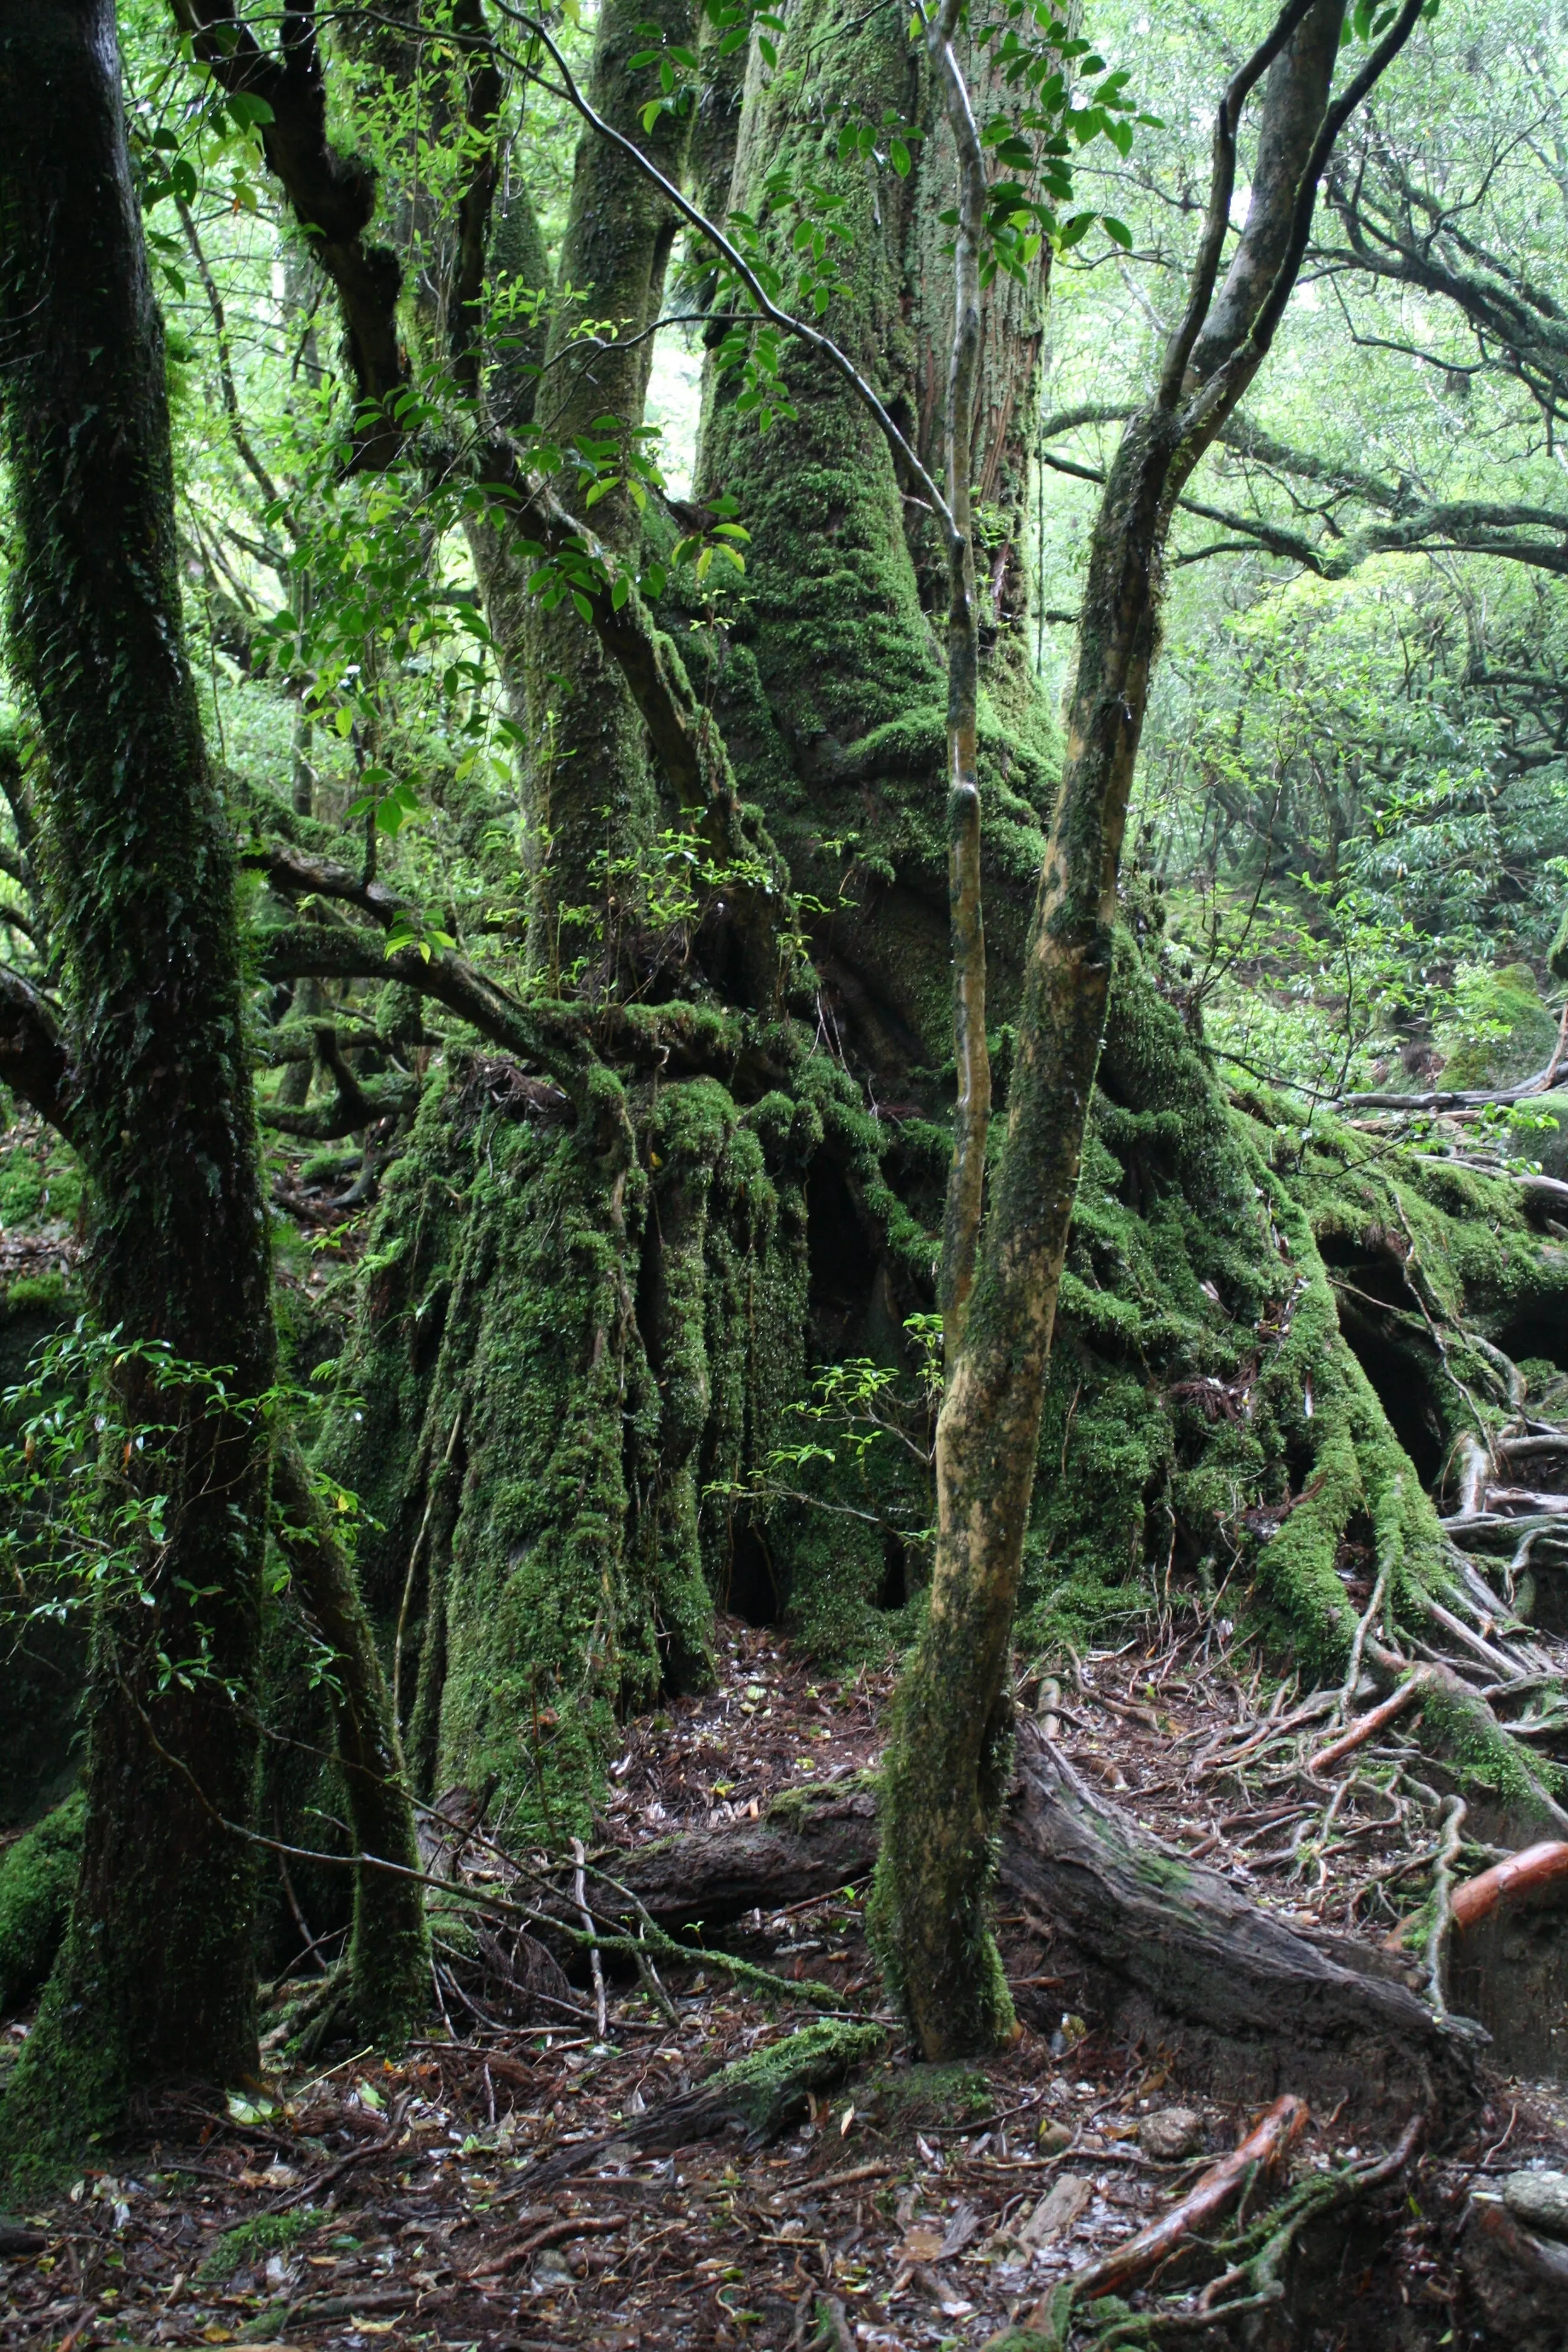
(1415, 1687)
(1262, 2150)
(577, 2225)
(1521, 1873)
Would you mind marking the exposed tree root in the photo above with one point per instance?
(1253, 2256)
(1173, 1949)
(759, 2095)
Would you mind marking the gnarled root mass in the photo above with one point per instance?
(1165, 1951)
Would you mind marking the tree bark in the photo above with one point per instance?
(157, 1980)
(596, 800)
(389, 1950)
(947, 1763)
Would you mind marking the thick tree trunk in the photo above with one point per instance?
(830, 682)
(157, 1980)
(595, 798)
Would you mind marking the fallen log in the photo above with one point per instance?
(1166, 1951)
(1175, 1954)
(710, 1878)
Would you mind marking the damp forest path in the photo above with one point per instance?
(495, 2185)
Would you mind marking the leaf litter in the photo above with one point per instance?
(369, 2203)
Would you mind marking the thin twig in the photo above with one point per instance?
(594, 1962)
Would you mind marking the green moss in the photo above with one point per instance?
(766, 2087)
(1484, 1758)
(40, 1178)
(38, 1877)
(558, 1354)
(1502, 1033)
(267, 2233)
(914, 2098)
(1538, 1130)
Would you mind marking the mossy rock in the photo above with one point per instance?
(1512, 1034)
(37, 1876)
(1538, 1129)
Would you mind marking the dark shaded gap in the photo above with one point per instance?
(753, 1592)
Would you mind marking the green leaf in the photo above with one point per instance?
(249, 112)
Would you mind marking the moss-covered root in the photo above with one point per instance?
(390, 1953)
(1460, 1728)
(761, 2095)
(771, 2087)
(36, 1879)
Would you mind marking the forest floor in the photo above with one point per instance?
(350, 2201)
(359, 2202)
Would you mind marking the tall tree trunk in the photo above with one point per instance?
(947, 1765)
(829, 682)
(157, 1980)
(595, 798)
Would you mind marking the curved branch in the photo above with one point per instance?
(1452, 527)
(555, 1039)
(332, 195)
(34, 1060)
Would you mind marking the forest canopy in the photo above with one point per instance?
(784, 827)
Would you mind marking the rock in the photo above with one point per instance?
(1519, 2281)
(1539, 2199)
(1172, 2133)
(1057, 2211)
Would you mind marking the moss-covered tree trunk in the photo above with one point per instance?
(946, 1769)
(594, 793)
(157, 1980)
(571, 1346)
(830, 678)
